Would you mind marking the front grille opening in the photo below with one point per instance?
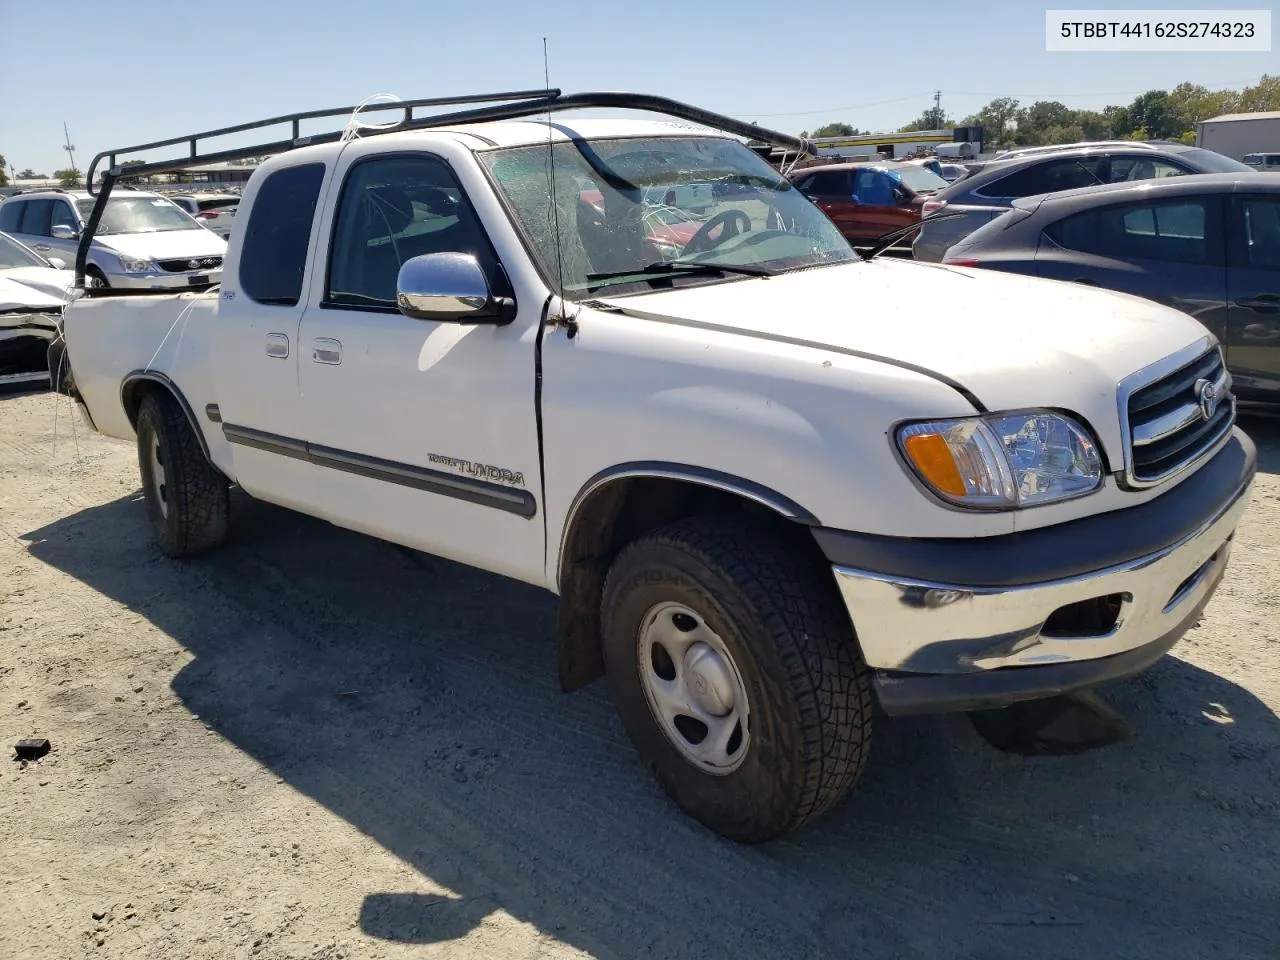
(1095, 617)
(184, 264)
(1166, 421)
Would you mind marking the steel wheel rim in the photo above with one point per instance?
(694, 689)
(158, 476)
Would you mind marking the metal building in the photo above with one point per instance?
(1235, 134)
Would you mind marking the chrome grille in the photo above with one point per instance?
(183, 264)
(1178, 419)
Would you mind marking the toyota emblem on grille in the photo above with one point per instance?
(1207, 397)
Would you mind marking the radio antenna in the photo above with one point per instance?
(551, 176)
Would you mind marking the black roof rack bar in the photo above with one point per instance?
(294, 119)
(530, 103)
(527, 103)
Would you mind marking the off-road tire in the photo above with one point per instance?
(779, 614)
(196, 493)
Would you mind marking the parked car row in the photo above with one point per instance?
(1208, 245)
(991, 189)
(868, 200)
(144, 241)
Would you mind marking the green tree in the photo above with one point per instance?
(935, 118)
(831, 130)
(1153, 112)
(1192, 103)
(29, 174)
(1093, 125)
(1265, 95)
(1118, 121)
(996, 119)
(4, 171)
(69, 177)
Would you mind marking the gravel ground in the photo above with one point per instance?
(314, 745)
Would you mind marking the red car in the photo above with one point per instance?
(867, 200)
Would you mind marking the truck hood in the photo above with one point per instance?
(39, 289)
(165, 244)
(1009, 341)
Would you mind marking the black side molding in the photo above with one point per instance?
(487, 494)
(1062, 550)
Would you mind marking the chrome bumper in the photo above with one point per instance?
(164, 281)
(921, 627)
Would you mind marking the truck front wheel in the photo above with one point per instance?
(188, 499)
(736, 675)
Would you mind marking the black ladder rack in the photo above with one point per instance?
(510, 105)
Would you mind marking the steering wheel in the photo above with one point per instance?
(733, 221)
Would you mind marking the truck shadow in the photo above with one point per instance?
(417, 700)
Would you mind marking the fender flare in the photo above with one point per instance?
(578, 650)
(779, 503)
(129, 384)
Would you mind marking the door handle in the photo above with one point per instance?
(277, 345)
(324, 350)
(43, 246)
(1266, 303)
(1260, 331)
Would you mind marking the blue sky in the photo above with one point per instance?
(157, 70)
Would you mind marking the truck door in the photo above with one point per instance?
(255, 341)
(1253, 293)
(424, 432)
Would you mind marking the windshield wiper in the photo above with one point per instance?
(883, 243)
(680, 268)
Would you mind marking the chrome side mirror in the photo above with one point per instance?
(450, 287)
(61, 231)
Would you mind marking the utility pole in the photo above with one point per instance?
(69, 147)
(937, 107)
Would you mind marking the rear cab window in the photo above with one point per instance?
(277, 238)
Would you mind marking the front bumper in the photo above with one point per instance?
(163, 280)
(971, 641)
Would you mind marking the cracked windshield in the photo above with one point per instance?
(630, 213)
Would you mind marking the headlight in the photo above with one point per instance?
(1003, 461)
(130, 265)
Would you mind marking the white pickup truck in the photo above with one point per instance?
(769, 481)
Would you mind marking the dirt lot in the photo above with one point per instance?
(313, 745)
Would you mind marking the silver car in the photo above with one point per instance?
(144, 241)
(988, 192)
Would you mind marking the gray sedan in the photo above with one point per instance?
(1208, 245)
(988, 191)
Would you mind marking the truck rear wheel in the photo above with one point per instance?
(736, 675)
(188, 499)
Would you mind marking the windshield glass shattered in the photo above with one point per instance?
(631, 213)
(139, 215)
